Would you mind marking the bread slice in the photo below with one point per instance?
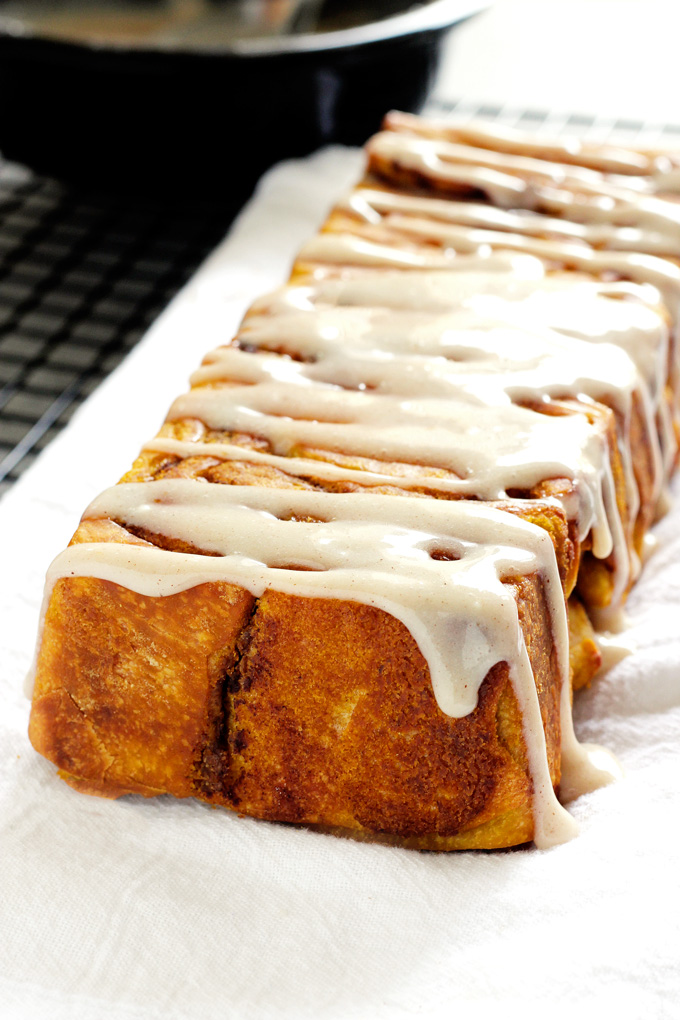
(267, 704)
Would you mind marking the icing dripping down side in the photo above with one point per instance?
(371, 549)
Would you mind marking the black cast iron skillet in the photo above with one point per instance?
(189, 109)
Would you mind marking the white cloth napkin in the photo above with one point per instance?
(137, 910)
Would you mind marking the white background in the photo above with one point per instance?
(612, 57)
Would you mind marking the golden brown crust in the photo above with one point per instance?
(585, 658)
(326, 728)
(123, 683)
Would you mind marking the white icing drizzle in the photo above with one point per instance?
(307, 467)
(650, 546)
(574, 193)
(344, 248)
(370, 549)
(430, 306)
(489, 367)
(467, 316)
(351, 249)
(613, 159)
(613, 649)
(507, 447)
(507, 179)
(475, 293)
(460, 227)
(653, 228)
(510, 179)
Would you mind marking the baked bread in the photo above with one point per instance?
(352, 582)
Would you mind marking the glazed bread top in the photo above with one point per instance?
(430, 347)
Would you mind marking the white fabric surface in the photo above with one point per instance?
(137, 910)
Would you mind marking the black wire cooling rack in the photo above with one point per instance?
(83, 275)
(81, 278)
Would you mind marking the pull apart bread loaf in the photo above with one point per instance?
(352, 582)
